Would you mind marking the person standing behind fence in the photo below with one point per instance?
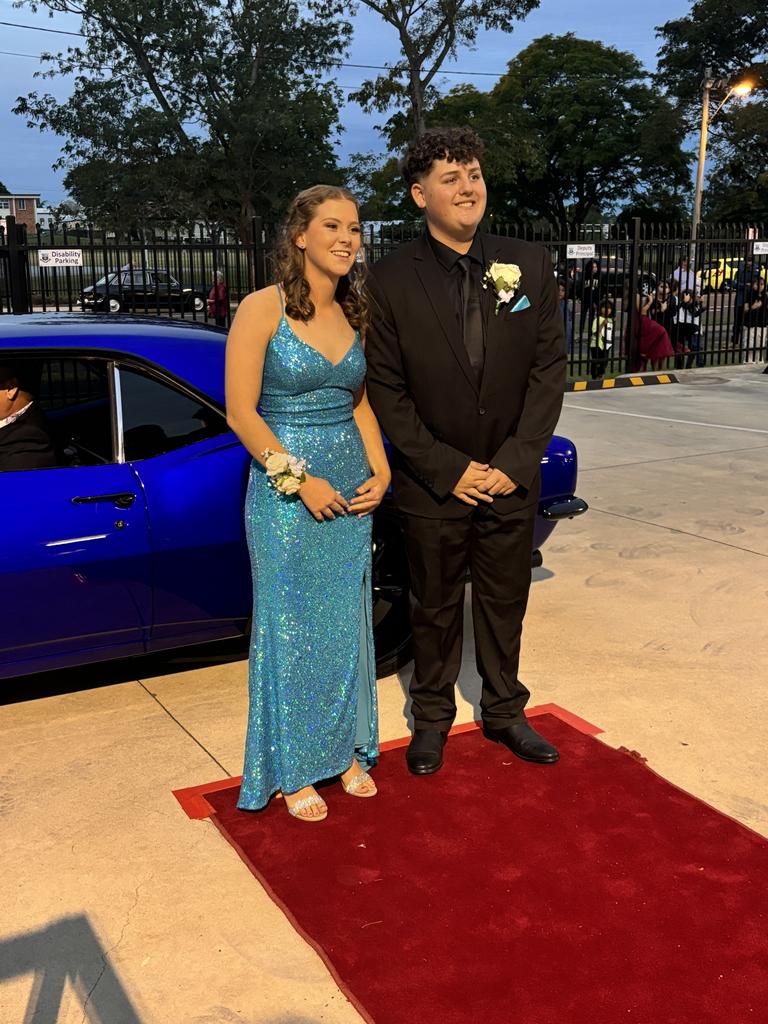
(601, 339)
(663, 307)
(567, 313)
(590, 292)
(651, 342)
(684, 276)
(218, 301)
(688, 331)
(755, 321)
(742, 283)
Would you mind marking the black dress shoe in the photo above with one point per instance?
(425, 752)
(523, 741)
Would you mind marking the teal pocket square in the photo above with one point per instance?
(522, 303)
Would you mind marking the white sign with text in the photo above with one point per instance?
(760, 248)
(60, 257)
(581, 251)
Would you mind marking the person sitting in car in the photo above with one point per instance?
(25, 440)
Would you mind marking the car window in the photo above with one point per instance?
(73, 395)
(135, 279)
(158, 418)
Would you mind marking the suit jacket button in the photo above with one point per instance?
(481, 410)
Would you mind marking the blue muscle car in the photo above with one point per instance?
(134, 542)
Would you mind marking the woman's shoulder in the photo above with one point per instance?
(265, 305)
(257, 318)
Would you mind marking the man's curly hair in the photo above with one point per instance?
(459, 144)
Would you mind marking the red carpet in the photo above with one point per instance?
(590, 892)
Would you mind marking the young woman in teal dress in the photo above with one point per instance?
(296, 399)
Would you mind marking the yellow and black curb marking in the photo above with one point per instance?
(636, 381)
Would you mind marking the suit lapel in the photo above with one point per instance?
(497, 328)
(500, 329)
(432, 279)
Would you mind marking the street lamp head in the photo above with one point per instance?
(742, 89)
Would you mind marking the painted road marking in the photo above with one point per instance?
(663, 419)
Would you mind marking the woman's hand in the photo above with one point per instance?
(321, 500)
(369, 495)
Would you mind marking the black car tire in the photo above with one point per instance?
(391, 622)
(113, 305)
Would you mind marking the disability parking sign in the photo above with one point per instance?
(60, 257)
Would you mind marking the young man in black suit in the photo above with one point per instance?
(466, 375)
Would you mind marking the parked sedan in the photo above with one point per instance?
(136, 289)
(612, 275)
(134, 542)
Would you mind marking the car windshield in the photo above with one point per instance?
(109, 279)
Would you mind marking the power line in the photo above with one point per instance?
(321, 64)
(41, 28)
(110, 67)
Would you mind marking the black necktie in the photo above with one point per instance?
(472, 311)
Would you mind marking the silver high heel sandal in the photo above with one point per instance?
(307, 801)
(358, 781)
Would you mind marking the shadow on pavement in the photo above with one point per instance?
(109, 673)
(67, 951)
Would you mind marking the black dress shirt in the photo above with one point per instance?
(450, 261)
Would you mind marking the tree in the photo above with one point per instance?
(430, 33)
(3, 190)
(730, 36)
(195, 108)
(573, 126)
(738, 187)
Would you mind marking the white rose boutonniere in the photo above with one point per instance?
(504, 278)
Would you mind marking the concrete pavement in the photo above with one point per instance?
(648, 619)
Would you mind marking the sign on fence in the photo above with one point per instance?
(60, 257)
(580, 252)
(760, 248)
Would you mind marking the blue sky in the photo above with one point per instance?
(26, 154)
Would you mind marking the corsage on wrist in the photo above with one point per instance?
(285, 472)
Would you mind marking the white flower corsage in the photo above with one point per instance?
(505, 279)
(285, 472)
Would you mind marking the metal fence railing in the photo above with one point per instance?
(623, 284)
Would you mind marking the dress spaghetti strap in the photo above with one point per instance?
(280, 296)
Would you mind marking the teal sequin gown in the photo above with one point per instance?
(312, 679)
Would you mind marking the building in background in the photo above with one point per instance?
(23, 206)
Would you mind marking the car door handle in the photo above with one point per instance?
(123, 500)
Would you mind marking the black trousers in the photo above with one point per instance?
(497, 551)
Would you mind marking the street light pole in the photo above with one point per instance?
(706, 91)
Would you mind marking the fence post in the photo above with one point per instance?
(259, 267)
(632, 292)
(17, 268)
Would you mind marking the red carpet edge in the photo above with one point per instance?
(196, 807)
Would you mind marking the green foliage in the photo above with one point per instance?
(186, 109)
(738, 188)
(3, 190)
(572, 128)
(730, 36)
(578, 127)
(429, 34)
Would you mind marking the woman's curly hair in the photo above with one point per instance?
(459, 144)
(289, 262)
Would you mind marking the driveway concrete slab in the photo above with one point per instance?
(647, 619)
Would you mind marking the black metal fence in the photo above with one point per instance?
(624, 287)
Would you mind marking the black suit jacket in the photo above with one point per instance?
(26, 443)
(425, 395)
